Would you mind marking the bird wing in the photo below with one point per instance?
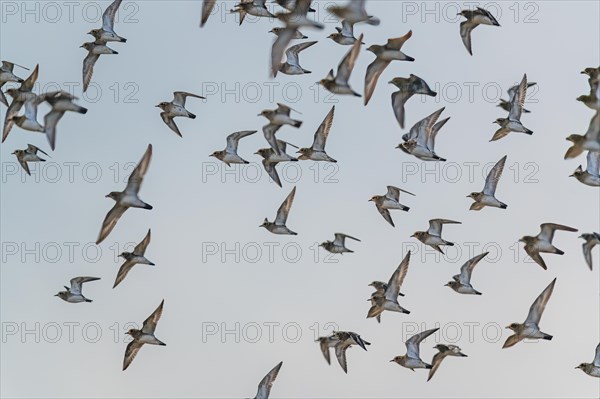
(537, 308)
(122, 273)
(27, 85)
(425, 126)
(535, 255)
(272, 171)
(269, 133)
(51, 120)
(597, 357)
(132, 350)
(393, 287)
(500, 133)
(493, 177)
(374, 70)
(340, 353)
(170, 122)
(548, 230)
(412, 344)
(593, 132)
(347, 64)
(180, 96)
(88, 68)
(399, 98)
(465, 33)
(77, 282)
(108, 18)
(140, 249)
(518, 101)
(435, 226)
(433, 133)
(398, 42)
(284, 208)
(292, 52)
(593, 163)
(234, 138)
(435, 363)
(110, 221)
(34, 150)
(347, 29)
(467, 269)
(13, 109)
(324, 345)
(264, 387)
(279, 46)
(340, 238)
(23, 163)
(386, 214)
(150, 323)
(207, 7)
(323, 131)
(137, 176)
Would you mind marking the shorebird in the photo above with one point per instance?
(384, 54)
(513, 122)
(28, 155)
(256, 8)
(297, 35)
(7, 75)
(461, 283)
(443, 352)
(407, 88)
(127, 198)
(271, 159)
(338, 246)
(476, 17)
(229, 155)
(505, 105)
(290, 5)
(343, 340)
(265, 385)
(95, 50)
(207, 7)
(107, 32)
(291, 66)
(487, 196)
(354, 11)
(73, 294)
(28, 121)
(590, 141)
(543, 242)
(278, 226)
(143, 336)
(412, 359)
(133, 258)
(390, 201)
(20, 96)
(338, 84)
(591, 240)
(530, 328)
(281, 116)
(433, 236)
(176, 108)
(420, 140)
(317, 151)
(61, 102)
(344, 35)
(592, 369)
(388, 300)
(591, 175)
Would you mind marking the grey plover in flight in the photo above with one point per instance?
(591, 175)
(265, 385)
(338, 84)
(255, 8)
(344, 35)
(317, 151)
(487, 197)
(407, 87)
(28, 121)
(543, 242)
(133, 258)
(591, 240)
(505, 105)
(61, 102)
(420, 140)
(475, 17)
(127, 198)
(443, 352)
(412, 359)
(291, 66)
(461, 283)
(143, 336)
(513, 122)
(271, 159)
(325, 343)
(592, 369)
(385, 203)
(590, 141)
(354, 11)
(107, 32)
(338, 245)
(278, 226)
(388, 300)
(28, 155)
(73, 293)
(297, 35)
(229, 155)
(20, 95)
(385, 54)
(344, 340)
(176, 108)
(281, 116)
(290, 5)
(433, 236)
(530, 328)
(7, 75)
(207, 8)
(95, 50)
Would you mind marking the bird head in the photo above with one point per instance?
(578, 172)
(113, 195)
(264, 223)
(513, 326)
(472, 195)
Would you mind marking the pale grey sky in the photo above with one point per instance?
(237, 299)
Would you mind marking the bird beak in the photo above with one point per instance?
(508, 327)
(583, 72)
(370, 201)
(106, 196)
(391, 360)
(55, 294)
(157, 106)
(413, 235)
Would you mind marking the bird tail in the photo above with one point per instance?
(297, 123)
(192, 116)
(529, 132)
(406, 208)
(88, 300)
(503, 206)
(147, 206)
(548, 337)
(428, 366)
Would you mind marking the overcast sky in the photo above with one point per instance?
(238, 299)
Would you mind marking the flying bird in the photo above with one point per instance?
(341, 341)
(338, 84)
(487, 196)
(107, 32)
(28, 155)
(265, 385)
(290, 5)
(412, 359)
(176, 108)
(543, 242)
(344, 35)
(505, 105)
(133, 258)
(591, 175)
(95, 50)
(354, 11)
(591, 240)
(461, 283)
(20, 96)
(420, 140)
(592, 369)
(207, 7)
(476, 17)
(530, 328)
(384, 54)
(256, 8)
(338, 245)
(388, 300)
(443, 352)
(7, 75)
(73, 294)
(433, 236)
(229, 155)
(127, 198)
(390, 201)
(513, 122)
(28, 121)
(271, 159)
(317, 151)
(297, 35)
(281, 116)
(143, 336)
(590, 141)
(291, 66)
(279, 225)
(407, 87)
(61, 102)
